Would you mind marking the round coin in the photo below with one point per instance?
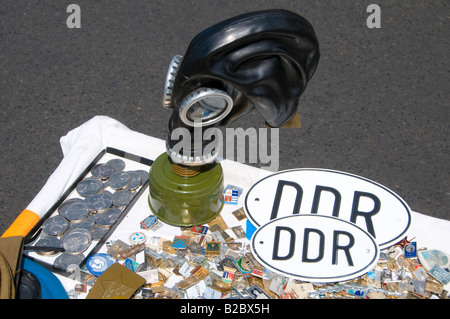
(68, 202)
(88, 223)
(98, 232)
(144, 175)
(65, 260)
(122, 198)
(76, 241)
(102, 171)
(48, 241)
(75, 211)
(104, 191)
(108, 218)
(135, 181)
(119, 180)
(55, 226)
(100, 202)
(89, 186)
(117, 164)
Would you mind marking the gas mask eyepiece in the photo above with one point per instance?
(203, 106)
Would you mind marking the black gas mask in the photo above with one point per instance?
(261, 60)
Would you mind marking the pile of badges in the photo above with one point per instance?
(97, 203)
(402, 272)
(214, 262)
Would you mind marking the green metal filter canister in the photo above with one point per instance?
(185, 201)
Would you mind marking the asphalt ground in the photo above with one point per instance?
(377, 105)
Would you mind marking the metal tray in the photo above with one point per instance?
(36, 233)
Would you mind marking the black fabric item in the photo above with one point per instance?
(29, 286)
(263, 59)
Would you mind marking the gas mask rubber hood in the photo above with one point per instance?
(261, 60)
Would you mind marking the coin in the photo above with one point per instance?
(144, 175)
(122, 198)
(89, 186)
(119, 180)
(88, 223)
(98, 232)
(75, 211)
(48, 241)
(135, 181)
(102, 171)
(100, 202)
(117, 164)
(76, 241)
(69, 201)
(108, 218)
(104, 191)
(55, 226)
(65, 260)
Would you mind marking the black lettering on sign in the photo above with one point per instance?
(276, 243)
(366, 215)
(346, 248)
(356, 211)
(305, 257)
(316, 200)
(279, 193)
(337, 246)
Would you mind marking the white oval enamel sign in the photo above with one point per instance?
(349, 197)
(315, 248)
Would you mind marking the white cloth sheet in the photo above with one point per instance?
(81, 145)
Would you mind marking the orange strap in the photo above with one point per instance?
(23, 224)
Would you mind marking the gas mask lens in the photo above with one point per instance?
(208, 108)
(205, 106)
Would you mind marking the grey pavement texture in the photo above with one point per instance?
(377, 105)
